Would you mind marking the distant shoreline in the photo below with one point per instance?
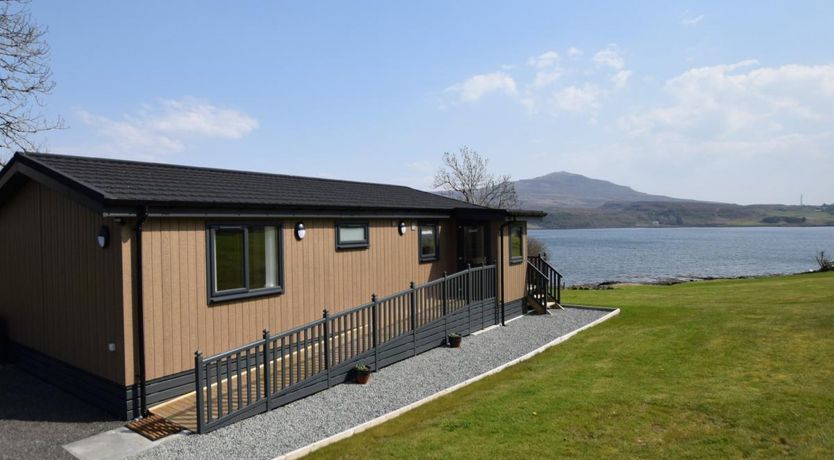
(671, 281)
(677, 214)
(533, 226)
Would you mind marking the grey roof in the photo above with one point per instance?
(120, 182)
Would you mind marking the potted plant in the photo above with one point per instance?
(361, 373)
(454, 340)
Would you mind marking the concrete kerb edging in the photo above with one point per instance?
(298, 453)
(588, 307)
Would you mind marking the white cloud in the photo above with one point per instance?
(609, 56)
(544, 78)
(195, 117)
(689, 19)
(549, 85)
(167, 126)
(544, 60)
(620, 79)
(478, 86)
(742, 108)
(426, 167)
(576, 99)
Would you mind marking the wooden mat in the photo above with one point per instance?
(154, 427)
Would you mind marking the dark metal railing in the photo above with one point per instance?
(279, 369)
(544, 283)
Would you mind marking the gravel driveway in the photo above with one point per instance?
(344, 406)
(36, 418)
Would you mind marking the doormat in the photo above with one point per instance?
(154, 427)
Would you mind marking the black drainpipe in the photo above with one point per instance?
(141, 216)
(501, 258)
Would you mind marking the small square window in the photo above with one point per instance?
(351, 235)
(429, 245)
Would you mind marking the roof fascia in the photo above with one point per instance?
(161, 212)
(20, 166)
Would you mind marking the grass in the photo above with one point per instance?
(731, 368)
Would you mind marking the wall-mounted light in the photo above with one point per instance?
(402, 227)
(103, 237)
(300, 231)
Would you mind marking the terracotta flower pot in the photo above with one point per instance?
(454, 342)
(362, 377)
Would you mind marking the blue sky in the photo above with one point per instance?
(725, 101)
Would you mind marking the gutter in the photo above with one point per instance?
(276, 215)
(139, 342)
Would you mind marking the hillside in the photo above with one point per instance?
(567, 190)
(686, 214)
(576, 201)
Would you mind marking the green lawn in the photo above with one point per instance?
(735, 368)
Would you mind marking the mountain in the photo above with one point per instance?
(576, 201)
(568, 190)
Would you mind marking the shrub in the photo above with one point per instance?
(535, 246)
(825, 264)
(362, 367)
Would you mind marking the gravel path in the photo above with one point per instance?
(36, 418)
(344, 406)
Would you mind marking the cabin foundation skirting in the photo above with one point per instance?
(514, 308)
(109, 396)
(119, 401)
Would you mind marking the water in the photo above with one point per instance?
(651, 254)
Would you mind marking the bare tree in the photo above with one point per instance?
(25, 77)
(536, 247)
(824, 263)
(465, 176)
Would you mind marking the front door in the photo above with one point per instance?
(472, 245)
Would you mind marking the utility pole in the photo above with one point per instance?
(801, 199)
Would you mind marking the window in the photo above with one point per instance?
(429, 248)
(351, 235)
(245, 261)
(516, 243)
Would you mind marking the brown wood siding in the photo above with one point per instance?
(59, 292)
(179, 320)
(514, 273)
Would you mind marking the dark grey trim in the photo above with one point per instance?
(164, 388)
(282, 214)
(436, 255)
(14, 169)
(354, 245)
(514, 308)
(244, 293)
(526, 213)
(140, 374)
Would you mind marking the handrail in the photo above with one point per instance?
(536, 285)
(552, 276)
(544, 261)
(233, 351)
(541, 273)
(278, 369)
(346, 312)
